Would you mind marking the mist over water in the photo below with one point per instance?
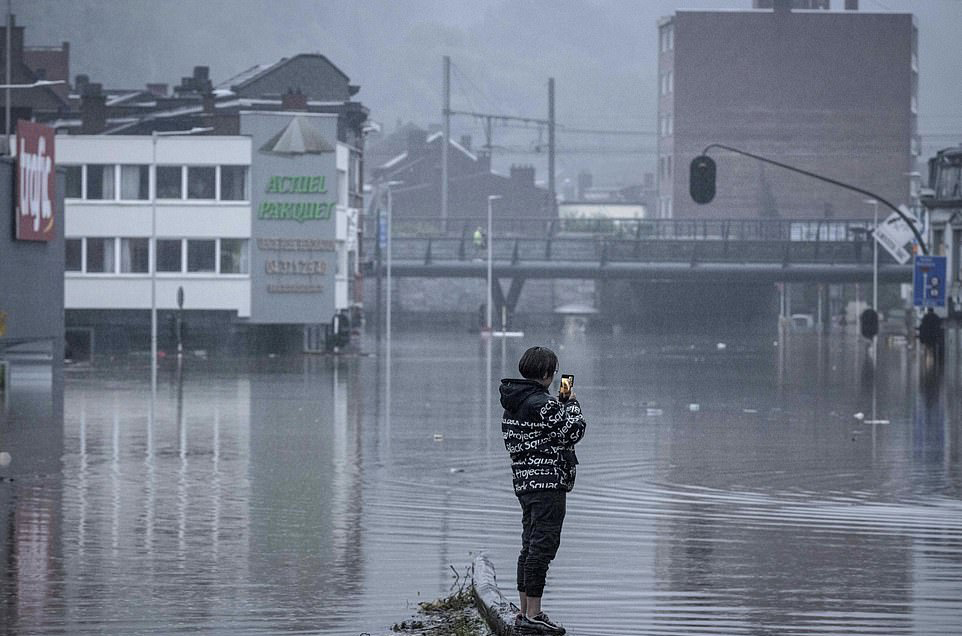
(284, 495)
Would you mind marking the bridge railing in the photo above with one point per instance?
(818, 230)
(606, 249)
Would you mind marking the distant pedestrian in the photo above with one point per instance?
(479, 241)
(930, 333)
(540, 432)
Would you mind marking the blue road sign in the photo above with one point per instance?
(382, 233)
(929, 281)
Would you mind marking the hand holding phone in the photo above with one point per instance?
(567, 382)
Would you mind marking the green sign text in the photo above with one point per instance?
(297, 185)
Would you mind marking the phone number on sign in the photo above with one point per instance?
(306, 267)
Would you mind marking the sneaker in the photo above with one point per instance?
(540, 624)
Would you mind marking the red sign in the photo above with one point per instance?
(36, 182)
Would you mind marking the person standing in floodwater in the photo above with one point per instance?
(540, 432)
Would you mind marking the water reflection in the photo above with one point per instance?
(722, 490)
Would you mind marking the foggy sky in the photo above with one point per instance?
(602, 54)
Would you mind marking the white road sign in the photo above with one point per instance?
(895, 235)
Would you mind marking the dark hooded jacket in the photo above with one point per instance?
(540, 432)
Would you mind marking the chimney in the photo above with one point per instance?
(523, 174)
(466, 142)
(80, 82)
(207, 99)
(93, 109)
(417, 140)
(292, 100)
(157, 89)
(16, 42)
(851, 5)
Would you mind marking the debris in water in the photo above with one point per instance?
(859, 416)
(694, 407)
(438, 437)
(653, 412)
(5, 458)
(457, 470)
(721, 346)
(749, 410)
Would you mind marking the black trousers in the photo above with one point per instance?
(542, 515)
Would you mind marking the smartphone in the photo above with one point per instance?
(567, 381)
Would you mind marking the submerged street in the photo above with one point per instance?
(759, 486)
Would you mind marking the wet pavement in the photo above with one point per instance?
(721, 490)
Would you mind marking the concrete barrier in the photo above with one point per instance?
(492, 606)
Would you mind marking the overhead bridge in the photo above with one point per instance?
(587, 257)
(753, 253)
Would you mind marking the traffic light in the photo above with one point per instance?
(868, 323)
(701, 179)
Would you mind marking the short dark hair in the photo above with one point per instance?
(538, 363)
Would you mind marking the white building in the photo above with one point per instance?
(170, 212)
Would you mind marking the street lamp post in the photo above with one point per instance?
(154, 135)
(488, 324)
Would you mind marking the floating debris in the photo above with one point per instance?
(653, 412)
(5, 458)
(859, 416)
(438, 437)
(721, 346)
(749, 410)
(694, 408)
(456, 470)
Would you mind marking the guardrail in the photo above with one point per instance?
(607, 249)
(820, 230)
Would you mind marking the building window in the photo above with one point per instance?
(134, 183)
(100, 181)
(666, 38)
(233, 256)
(74, 189)
(342, 188)
(100, 256)
(201, 255)
(169, 182)
(74, 254)
(169, 255)
(949, 186)
(201, 182)
(134, 255)
(233, 183)
(354, 174)
(671, 82)
(668, 166)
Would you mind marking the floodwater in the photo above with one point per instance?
(286, 496)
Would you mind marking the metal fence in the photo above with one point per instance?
(608, 249)
(802, 230)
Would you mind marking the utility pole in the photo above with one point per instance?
(446, 135)
(9, 80)
(551, 146)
